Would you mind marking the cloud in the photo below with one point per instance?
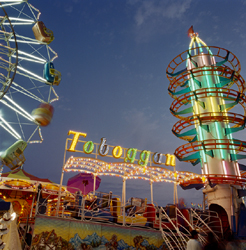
(143, 129)
(153, 18)
(160, 9)
(69, 9)
(139, 118)
(142, 125)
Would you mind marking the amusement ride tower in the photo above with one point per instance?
(206, 85)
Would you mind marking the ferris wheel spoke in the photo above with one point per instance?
(30, 74)
(30, 41)
(12, 1)
(3, 80)
(6, 64)
(27, 21)
(33, 78)
(30, 57)
(19, 111)
(31, 8)
(6, 50)
(19, 108)
(19, 21)
(37, 51)
(4, 124)
(5, 35)
(28, 92)
(24, 91)
(10, 4)
(26, 40)
(20, 12)
(5, 32)
(7, 67)
(24, 23)
(26, 58)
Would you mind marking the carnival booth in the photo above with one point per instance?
(21, 189)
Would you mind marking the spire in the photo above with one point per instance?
(191, 32)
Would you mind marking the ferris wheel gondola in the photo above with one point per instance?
(27, 79)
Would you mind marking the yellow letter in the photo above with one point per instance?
(170, 160)
(75, 139)
(114, 152)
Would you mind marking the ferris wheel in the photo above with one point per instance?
(27, 79)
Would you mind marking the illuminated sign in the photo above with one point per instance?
(131, 155)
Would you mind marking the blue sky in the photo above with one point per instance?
(113, 56)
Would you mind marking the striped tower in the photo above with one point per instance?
(206, 85)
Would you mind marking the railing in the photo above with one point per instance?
(176, 237)
(174, 224)
(207, 221)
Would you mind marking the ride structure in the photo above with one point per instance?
(206, 85)
(27, 79)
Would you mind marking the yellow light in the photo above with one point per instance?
(75, 139)
(117, 152)
(170, 160)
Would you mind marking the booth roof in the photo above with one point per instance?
(23, 175)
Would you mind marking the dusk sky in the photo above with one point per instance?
(113, 56)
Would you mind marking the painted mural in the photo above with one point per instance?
(73, 235)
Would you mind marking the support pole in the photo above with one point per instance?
(94, 184)
(175, 191)
(32, 205)
(83, 208)
(175, 194)
(60, 187)
(59, 194)
(151, 191)
(123, 200)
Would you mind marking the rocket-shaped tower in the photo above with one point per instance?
(206, 85)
